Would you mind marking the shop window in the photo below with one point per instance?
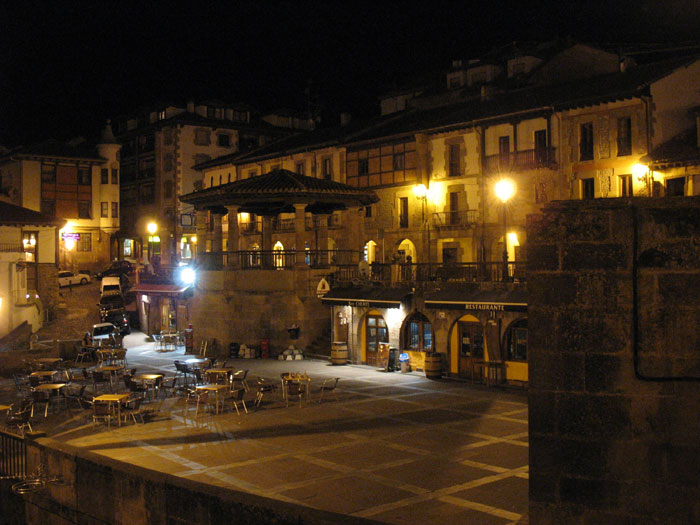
(516, 341)
(84, 242)
(419, 334)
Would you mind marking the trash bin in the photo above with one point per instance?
(391, 364)
(403, 359)
(265, 348)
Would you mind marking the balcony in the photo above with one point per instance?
(455, 219)
(521, 160)
(276, 259)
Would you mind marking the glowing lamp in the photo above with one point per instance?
(420, 191)
(640, 171)
(505, 189)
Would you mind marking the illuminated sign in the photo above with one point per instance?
(70, 236)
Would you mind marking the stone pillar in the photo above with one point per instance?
(300, 234)
(233, 237)
(201, 229)
(217, 233)
(614, 367)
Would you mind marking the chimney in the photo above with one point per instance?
(345, 119)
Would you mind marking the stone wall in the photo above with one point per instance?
(96, 489)
(614, 351)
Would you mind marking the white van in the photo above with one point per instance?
(110, 286)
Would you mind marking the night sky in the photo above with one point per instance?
(65, 66)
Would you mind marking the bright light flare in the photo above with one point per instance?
(505, 189)
(188, 276)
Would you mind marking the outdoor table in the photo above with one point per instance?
(49, 387)
(49, 361)
(218, 372)
(303, 379)
(5, 408)
(149, 380)
(197, 362)
(112, 370)
(119, 399)
(168, 339)
(216, 389)
(45, 375)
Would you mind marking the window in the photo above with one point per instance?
(586, 142)
(368, 211)
(85, 242)
(104, 209)
(167, 136)
(104, 176)
(471, 340)
(29, 242)
(48, 207)
(161, 115)
(403, 212)
(377, 332)
(48, 173)
(454, 166)
(454, 208)
(299, 167)
(327, 168)
(516, 341)
(115, 176)
(147, 193)
(399, 163)
(363, 166)
(211, 111)
(223, 140)
(504, 146)
(626, 185)
(419, 334)
(84, 209)
(202, 137)
(115, 210)
(84, 176)
(588, 188)
(624, 136)
(675, 187)
(541, 146)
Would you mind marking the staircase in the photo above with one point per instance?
(320, 348)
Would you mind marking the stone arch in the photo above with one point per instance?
(370, 251)
(465, 327)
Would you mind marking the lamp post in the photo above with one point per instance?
(505, 189)
(152, 228)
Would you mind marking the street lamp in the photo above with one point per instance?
(505, 189)
(152, 228)
(421, 192)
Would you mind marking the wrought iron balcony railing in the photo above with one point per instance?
(520, 160)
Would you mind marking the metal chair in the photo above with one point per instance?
(294, 390)
(102, 412)
(263, 386)
(133, 409)
(240, 377)
(169, 386)
(236, 396)
(19, 419)
(329, 385)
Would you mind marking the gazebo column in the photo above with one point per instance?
(322, 247)
(360, 220)
(300, 234)
(233, 237)
(217, 233)
(201, 229)
(267, 241)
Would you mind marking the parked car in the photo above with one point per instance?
(101, 331)
(116, 269)
(66, 278)
(110, 304)
(120, 319)
(110, 285)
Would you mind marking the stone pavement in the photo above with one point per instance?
(396, 448)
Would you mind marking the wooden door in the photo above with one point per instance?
(376, 332)
(471, 348)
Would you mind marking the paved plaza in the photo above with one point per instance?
(393, 447)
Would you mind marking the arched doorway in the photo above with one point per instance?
(468, 346)
(515, 346)
(278, 256)
(370, 251)
(406, 249)
(418, 333)
(375, 332)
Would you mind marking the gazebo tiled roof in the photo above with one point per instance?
(277, 192)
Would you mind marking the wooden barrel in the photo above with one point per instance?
(433, 366)
(339, 353)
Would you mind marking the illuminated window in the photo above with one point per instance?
(471, 342)
(104, 209)
(419, 334)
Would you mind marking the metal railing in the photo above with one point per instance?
(11, 247)
(388, 273)
(275, 259)
(520, 160)
(13, 456)
(455, 219)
